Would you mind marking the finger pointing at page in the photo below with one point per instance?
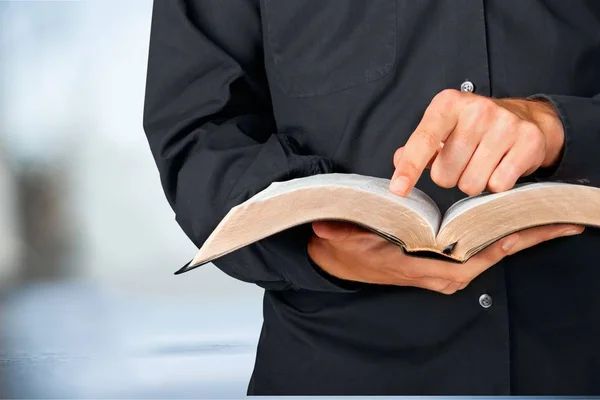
(477, 142)
(439, 120)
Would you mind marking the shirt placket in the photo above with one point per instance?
(465, 52)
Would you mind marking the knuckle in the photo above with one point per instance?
(532, 138)
(430, 139)
(498, 182)
(410, 168)
(441, 178)
(529, 131)
(463, 143)
(445, 97)
(506, 118)
(494, 184)
(470, 187)
(469, 124)
(444, 182)
(481, 107)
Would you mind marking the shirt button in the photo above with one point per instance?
(485, 301)
(467, 86)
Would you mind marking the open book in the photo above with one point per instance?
(414, 223)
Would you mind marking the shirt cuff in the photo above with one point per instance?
(579, 161)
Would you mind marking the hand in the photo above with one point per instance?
(348, 252)
(477, 142)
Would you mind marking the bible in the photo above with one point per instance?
(414, 222)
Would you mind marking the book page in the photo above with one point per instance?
(468, 203)
(417, 201)
(473, 224)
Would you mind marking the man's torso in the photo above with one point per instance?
(350, 80)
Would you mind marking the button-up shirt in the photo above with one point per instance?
(242, 93)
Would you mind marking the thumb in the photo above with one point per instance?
(334, 230)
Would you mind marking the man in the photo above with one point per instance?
(484, 93)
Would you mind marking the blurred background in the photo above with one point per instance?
(88, 244)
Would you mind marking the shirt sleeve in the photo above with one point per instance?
(579, 162)
(208, 120)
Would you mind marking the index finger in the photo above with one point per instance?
(439, 120)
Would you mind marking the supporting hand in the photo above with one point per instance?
(348, 252)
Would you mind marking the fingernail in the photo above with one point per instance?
(509, 242)
(399, 185)
(572, 231)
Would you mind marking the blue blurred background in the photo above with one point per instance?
(88, 244)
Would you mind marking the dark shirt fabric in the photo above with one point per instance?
(243, 93)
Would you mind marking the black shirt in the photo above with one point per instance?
(243, 93)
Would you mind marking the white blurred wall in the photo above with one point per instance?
(74, 73)
(10, 245)
(115, 321)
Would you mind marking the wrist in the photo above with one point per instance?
(546, 117)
